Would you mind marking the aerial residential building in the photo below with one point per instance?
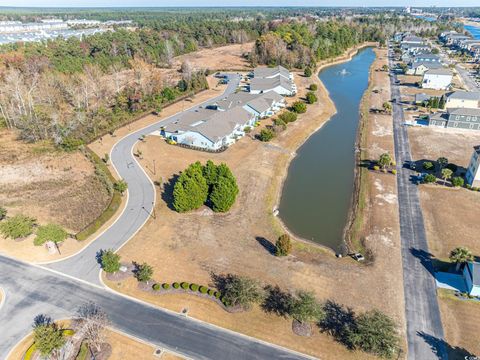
(209, 129)
(459, 118)
(261, 105)
(426, 58)
(438, 79)
(471, 275)
(473, 173)
(412, 39)
(463, 99)
(269, 73)
(421, 68)
(279, 84)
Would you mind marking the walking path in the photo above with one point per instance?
(421, 305)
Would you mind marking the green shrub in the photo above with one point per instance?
(247, 129)
(311, 98)
(185, 285)
(70, 144)
(176, 285)
(394, 171)
(428, 165)
(120, 186)
(468, 186)
(50, 232)
(166, 286)
(17, 227)
(203, 289)
(211, 292)
(429, 178)
(279, 123)
(283, 246)
(266, 135)
(194, 287)
(288, 117)
(299, 107)
(457, 181)
(224, 193)
(376, 168)
(156, 287)
(3, 213)
(143, 272)
(191, 189)
(313, 87)
(218, 294)
(110, 261)
(307, 72)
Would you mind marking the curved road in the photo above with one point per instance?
(58, 289)
(141, 199)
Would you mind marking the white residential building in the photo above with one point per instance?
(473, 173)
(438, 79)
(463, 99)
(277, 79)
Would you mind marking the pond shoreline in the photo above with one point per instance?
(347, 56)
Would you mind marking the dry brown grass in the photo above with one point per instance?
(461, 323)
(449, 214)
(189, 247)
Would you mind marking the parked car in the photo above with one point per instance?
(357, 257)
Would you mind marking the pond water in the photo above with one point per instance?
(474, 30)
(317, 193)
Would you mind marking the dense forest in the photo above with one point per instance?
(73, 90)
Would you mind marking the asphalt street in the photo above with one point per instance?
(31, 291)
(141, 198)
(421, 305)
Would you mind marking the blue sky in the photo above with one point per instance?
(136, 3)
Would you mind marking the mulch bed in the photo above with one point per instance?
(301, 329)
(118, 276)
(147, 287)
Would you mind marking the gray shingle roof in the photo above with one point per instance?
(429, 65)
(439, 72)
(464, 111)
(465, 95)
(264, 72)
(265, 84)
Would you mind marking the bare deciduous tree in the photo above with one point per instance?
(91, 324)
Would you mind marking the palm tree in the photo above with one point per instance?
(384, 160)
(446, 174)
(460, 255)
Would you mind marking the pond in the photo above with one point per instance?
(317, 192)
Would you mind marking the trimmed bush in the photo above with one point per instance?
(311, 97)
(194, 287)
(50, 232)
(394, 172)
(166, 286)
(110, 261)
(121, 186)
(17, 227)
(376, 168)
(211, 292)
(307, 72)
(457, 181)
(143, 272)
(429, 178)
(299, 107)
(185, 285)
(313, 87)
(288, 117)
(218, 294)
(266, 135)
(203, 289)
(283, 245)
(156, 287)
(176, 285)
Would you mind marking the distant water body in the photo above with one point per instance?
(474, 30)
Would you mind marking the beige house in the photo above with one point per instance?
(463, 99)
(473, 173)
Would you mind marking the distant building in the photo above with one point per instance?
(412, 39)
(473, 174)
(463, 99)
(421, 98)
(426, 58)
(277, 79)
(438, 79)
(420, 68)
(458, 118)
(261, 105)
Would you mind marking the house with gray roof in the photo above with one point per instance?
(457, 118)
(272, 72)
(420, 68)
(209, 129)
(261, 105)
(463, 99)
(279, 84)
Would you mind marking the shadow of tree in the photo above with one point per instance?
(268, 245)
(42, 319)
(277, 301)
(443, 350)
(167, 193)
(338, 322)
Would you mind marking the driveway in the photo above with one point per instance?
(421, 305)
(32, 290)
(141, 199)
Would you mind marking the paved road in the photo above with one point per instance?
(141, 198)
(421, 305)
(467, 79)
(31, 291)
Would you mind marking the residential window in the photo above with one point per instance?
(468, 118)
(455, 124)
(457, 117)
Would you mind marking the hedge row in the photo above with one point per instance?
(187, 287)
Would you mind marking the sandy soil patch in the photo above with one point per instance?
(449, 214)
(189, 247)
